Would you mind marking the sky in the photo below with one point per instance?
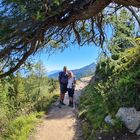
(73, 57)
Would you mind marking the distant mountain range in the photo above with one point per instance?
(79, 73)
(52, 72)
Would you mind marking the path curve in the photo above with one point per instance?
(62, 123)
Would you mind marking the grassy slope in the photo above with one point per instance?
(120, 88)
(21, 127)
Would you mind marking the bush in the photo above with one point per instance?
(117, 86)
(20, 128)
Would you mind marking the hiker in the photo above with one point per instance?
(63, 81)
(71, 87)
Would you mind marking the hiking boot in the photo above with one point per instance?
(63, 103)
(71, 104)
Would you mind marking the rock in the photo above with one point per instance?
(114, 138)
(108, 119)
(131, 119)
(138, 132)
(100, 138)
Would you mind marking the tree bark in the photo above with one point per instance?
(84, 14)
(21, 61)
(135, 3)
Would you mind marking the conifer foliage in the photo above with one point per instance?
(26, 26)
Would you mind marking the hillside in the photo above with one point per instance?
(79, 73)
(116, 87)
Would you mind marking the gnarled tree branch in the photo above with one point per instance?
(27, 28)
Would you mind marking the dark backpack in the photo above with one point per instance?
(63, 78)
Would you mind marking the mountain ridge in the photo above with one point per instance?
(79, 73)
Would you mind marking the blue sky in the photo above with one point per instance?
(73, 57)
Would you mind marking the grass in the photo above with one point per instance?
(21, 127)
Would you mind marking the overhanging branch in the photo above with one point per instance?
(134, 14)
(21, 61)
(43, 30)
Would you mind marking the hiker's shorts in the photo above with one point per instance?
(63, 88)
(70, 92)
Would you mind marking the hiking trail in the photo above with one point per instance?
(62, 123)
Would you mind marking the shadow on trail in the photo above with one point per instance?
(65, 113)
(60, 113)
(62, 123)
(78, 131)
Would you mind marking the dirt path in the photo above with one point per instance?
(62, 123)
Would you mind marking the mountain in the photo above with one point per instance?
(52, 72)
(79, 73)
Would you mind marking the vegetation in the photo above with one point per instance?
(22, 99)
(116, 82)
(28, 26)
(21, 127)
